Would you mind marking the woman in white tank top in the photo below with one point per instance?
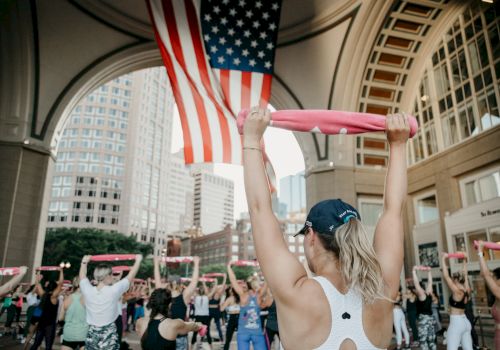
(348, 305)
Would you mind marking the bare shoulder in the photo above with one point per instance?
(141, 325)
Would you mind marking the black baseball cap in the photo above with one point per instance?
(328, 215)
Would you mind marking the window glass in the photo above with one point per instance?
(427, 209)
(370, 213)
(476, 236)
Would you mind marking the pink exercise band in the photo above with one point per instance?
(458, 255)
(245, 263)
(113, 257)
(423, 268)
(214, 274)
(206, 279)
(488, 245)
(185, 279)
(178, 259)
(48, 268)
(327, 121)
(9, 271)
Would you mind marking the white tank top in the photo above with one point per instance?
(347, 318)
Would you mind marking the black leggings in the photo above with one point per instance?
(270, 335)
(45, 331)
(216, 319)
(204, 320)
(232, 326)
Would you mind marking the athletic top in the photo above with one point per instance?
(458, 304)
(7, 302)
(347, 318)
(424, 307)
(178, 308)
(233, 309)
(272, 318)
(32, 299)
(49, 312)
(152, 339)
(201, 305)
(75, 323)
(101, 303)
(249, 319)
(214, 309)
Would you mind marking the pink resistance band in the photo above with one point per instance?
(185, 279)
(9, 271)
(48, 268)
(206, 279)
(214, 274)
(245, 263)
(423, 268)
(489, 245)
(177, 259)
(116, 269)
(326, 121)
(112, 257)
(458, 255)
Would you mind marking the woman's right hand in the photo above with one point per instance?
(480, 246)
(397, 128)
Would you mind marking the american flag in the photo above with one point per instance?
(219, 57)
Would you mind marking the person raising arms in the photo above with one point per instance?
(349, 303)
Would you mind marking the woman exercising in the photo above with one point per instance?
(349, 303)
(459, 330)
(426, 329)
(493, 283)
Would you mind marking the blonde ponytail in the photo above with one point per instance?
(357, 259)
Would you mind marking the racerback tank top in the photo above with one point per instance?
(347, 318)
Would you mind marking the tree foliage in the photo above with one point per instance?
(71, 244)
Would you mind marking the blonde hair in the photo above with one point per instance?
(101, 272)
(358, 262)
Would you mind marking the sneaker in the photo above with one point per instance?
(23, 340)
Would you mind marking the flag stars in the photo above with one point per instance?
(225, 2)
(213, 49)
(239, 23)
(260, 54)
(229, 51)
(242, 3)
(275, 6)
(231, 31)
(246, 34)
(245, 53)
(272, 26)
(258, 4)
(238, 42)
(252, 62)
(267, 64)
(223, 20)
(236, 61)
(208, 18)
(265, 15)
(253, 44)
(270, 46)
(206, 37)
(217, 9)
(222, 40)
(263, 35)
(232, 12)
(215, 30)
(249, 14)
(256, 24)
(220, 59)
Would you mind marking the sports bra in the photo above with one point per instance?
(347, 318)
(458, 304)
(152, 339)
(233, 309)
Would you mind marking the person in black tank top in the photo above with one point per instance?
(159, 332)
(49, 304)
(426, 322)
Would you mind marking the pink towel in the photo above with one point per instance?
(112, 257)
(9, 271)
(488, 245)
(327, 121)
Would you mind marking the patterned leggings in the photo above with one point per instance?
(105, 337)
(426, 332)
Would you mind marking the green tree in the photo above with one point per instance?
(71, 244)
(241, 272)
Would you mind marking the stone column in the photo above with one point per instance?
(24, 171)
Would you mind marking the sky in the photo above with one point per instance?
(282, 149)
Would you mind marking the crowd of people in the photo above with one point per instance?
(346, 295)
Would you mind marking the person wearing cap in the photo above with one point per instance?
(349, 302)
